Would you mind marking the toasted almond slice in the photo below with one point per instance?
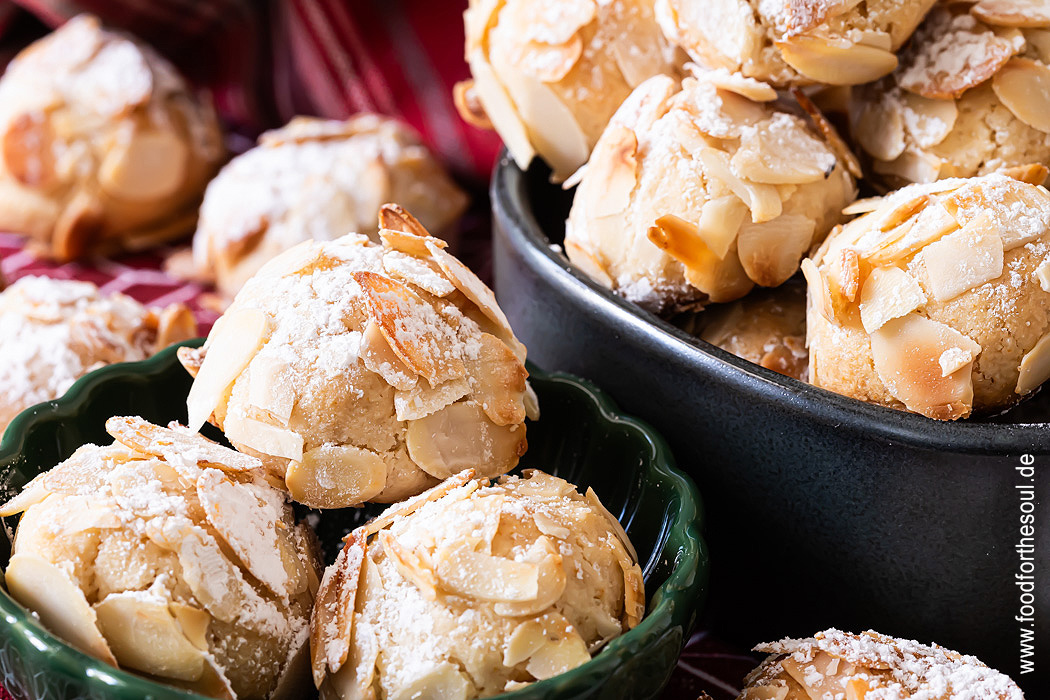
(175, 324)
(78, 227)
(499, 381)
(549, 526)
(836, 62)
(500, 110)
(1039, 43)
(1042, 273)
(148, 166)
(763, 200)
(954, 359)
(780, 151)
(250, 531)
(469, 106)
(614, 524)
(965, 259)
(1035, 366)
(564, 650)
(931, 224)
(720, 221)
(878, 125)
(1033, 173)
(336, 476)
(682, 241)
(897, 215)
(270, 388)
(612, 171)
(551, 581)
(59, 603)
(480, 576)
(191, 359)
(440, 679)
(394, 217)
(193, 622)
(754, 90)
(913, 166)
(474, 289)
(292, 261)
(820, 678)
(332, 620)
(27, 149)
(354, 679)
(461, 436)
(863, 206)
(588, 263)
(928, 121)
(532, 403)
(548, 62)
(232, 343)
(145, 636)
(380, 358)
(770, 252)
(1013, 13)
(634, 593)
(410, 564)
(524, 641)
(830, 134)
(177, 443)
(1021, 215)
(888, 293)
(415, 331)
(959, 58)
(214, 580)
(422, 399)
(263, 437)
(418, 271)
(409, 243)
(907, 354)
(819, 294)
(1023, 85)
(456, 486)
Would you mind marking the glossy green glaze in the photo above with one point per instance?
(581, 437)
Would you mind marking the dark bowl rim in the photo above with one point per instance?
(514, 218)
(675, 602)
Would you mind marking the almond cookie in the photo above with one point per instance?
(365, 372)
(937, 300)
(548, 74)
(171, 556)
(473, 589)
(316, 179)
(53, 332)
(972, 95)
(871, 665)
(794, 42)
(102, 145)
(696, 193)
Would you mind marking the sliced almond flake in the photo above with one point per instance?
(888, 293)
(1013, 13)
(290, 262)
(954, 54)
(336, 476)
(458, 486)
(146, 637)
(474, 289)
(907, 352)
(612, 171)
(410, 565)
(877, 123)
(617, 528)
(965, 259)
(270, 388)
(913, 166)
(380, 358)
(836, 61)
(830, 134)
(498, 379)
(818, 677)
(633, 586)
(469, 106)
(928, 121)
(1033, 173)
(461, 436)
(214, 580)
(263, 437)
(844, 276)
(129, 170)
(780, 151)
(720, 221)
(190, 359)
(532, 403)
(409, 243)
(554, 21)
(481, 576)
(1035, 367)
(899, 244)
(331, 624)
(897, 215)
(422, 399)
(28, 148)
(954, 359)
(588, 263)
(231, 345)
(548, 526)
(1023, 85)
(1038, 43)
(501, 110)
(176, 444)
(193, 622)
(819, 294)
(548, 62)
(754, 90)
(863, 206)
(419, 272)
(414, 330)
(763, 200)
(1021, 214)
(1042, 273)
(551, 581)
(770, 252)
(354, 679)
(524, 641)
(60, 605)
(556, 657)
(249, 530)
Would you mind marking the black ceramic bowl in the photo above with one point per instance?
(823, 511)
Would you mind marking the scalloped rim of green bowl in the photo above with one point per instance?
(687, 582)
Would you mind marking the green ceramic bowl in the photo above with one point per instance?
(581, 437)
